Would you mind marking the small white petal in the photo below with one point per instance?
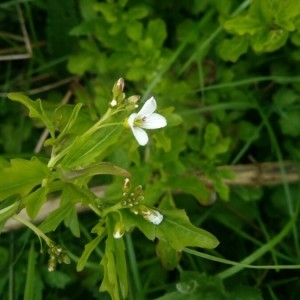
(140, 135)
(154, 121)
(148, 108)
(131, 119)
(118, 234)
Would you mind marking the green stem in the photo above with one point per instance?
(37, 231)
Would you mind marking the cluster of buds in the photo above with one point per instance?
(119, 96)
(57, 255)
(133, 199)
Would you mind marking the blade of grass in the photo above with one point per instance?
(275, 144)
(30, 275)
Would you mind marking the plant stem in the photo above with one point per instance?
(37, 231)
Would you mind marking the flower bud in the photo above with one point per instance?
(151, 215)
(119, 230)
(118, 88)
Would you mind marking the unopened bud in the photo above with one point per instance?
(133, 99)
(151, 215)
(126, 185)
(119, 230)
(118, 88)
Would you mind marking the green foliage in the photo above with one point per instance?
(225, 76)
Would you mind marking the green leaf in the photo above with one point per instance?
(96, 169)
(289, 123)
(179, 232)
(157, 32)
(21, 177)
(130, 221)
(34, 201)
(36, 110)
(134, 30)
(192, 185)
(269, 40)
(168, 257)
(214, 143)
(71, 221)
(232, 49)
(57, 279)
(243, 24)
(246, 293)
(84, 150)
(115, 280)
(88, 249)
(7, 212)
(80, 63)
(138, 12)
(56, 217)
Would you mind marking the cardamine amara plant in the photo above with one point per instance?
(77, 150)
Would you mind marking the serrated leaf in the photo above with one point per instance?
(88, 249)
(96, 169)
(34, 201)
(36, 110)
(21, 177)
(232, 49)
(179, 232)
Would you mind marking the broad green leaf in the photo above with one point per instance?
(88, 249)
(168, 257)
(30, 274)
(56, 217)
(179, 232)
(243, 24)
(21, 177)
(232, 49)
(36, 110)
(96, 169)
(57, 279)
(34, 201)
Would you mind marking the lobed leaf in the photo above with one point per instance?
(21, 177)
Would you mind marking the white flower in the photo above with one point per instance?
(145, 119)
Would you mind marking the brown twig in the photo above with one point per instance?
(250, 175)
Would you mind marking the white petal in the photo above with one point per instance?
(148, 108)
(155, 217)
(131, 119)
(140, 135)
(154, 121)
